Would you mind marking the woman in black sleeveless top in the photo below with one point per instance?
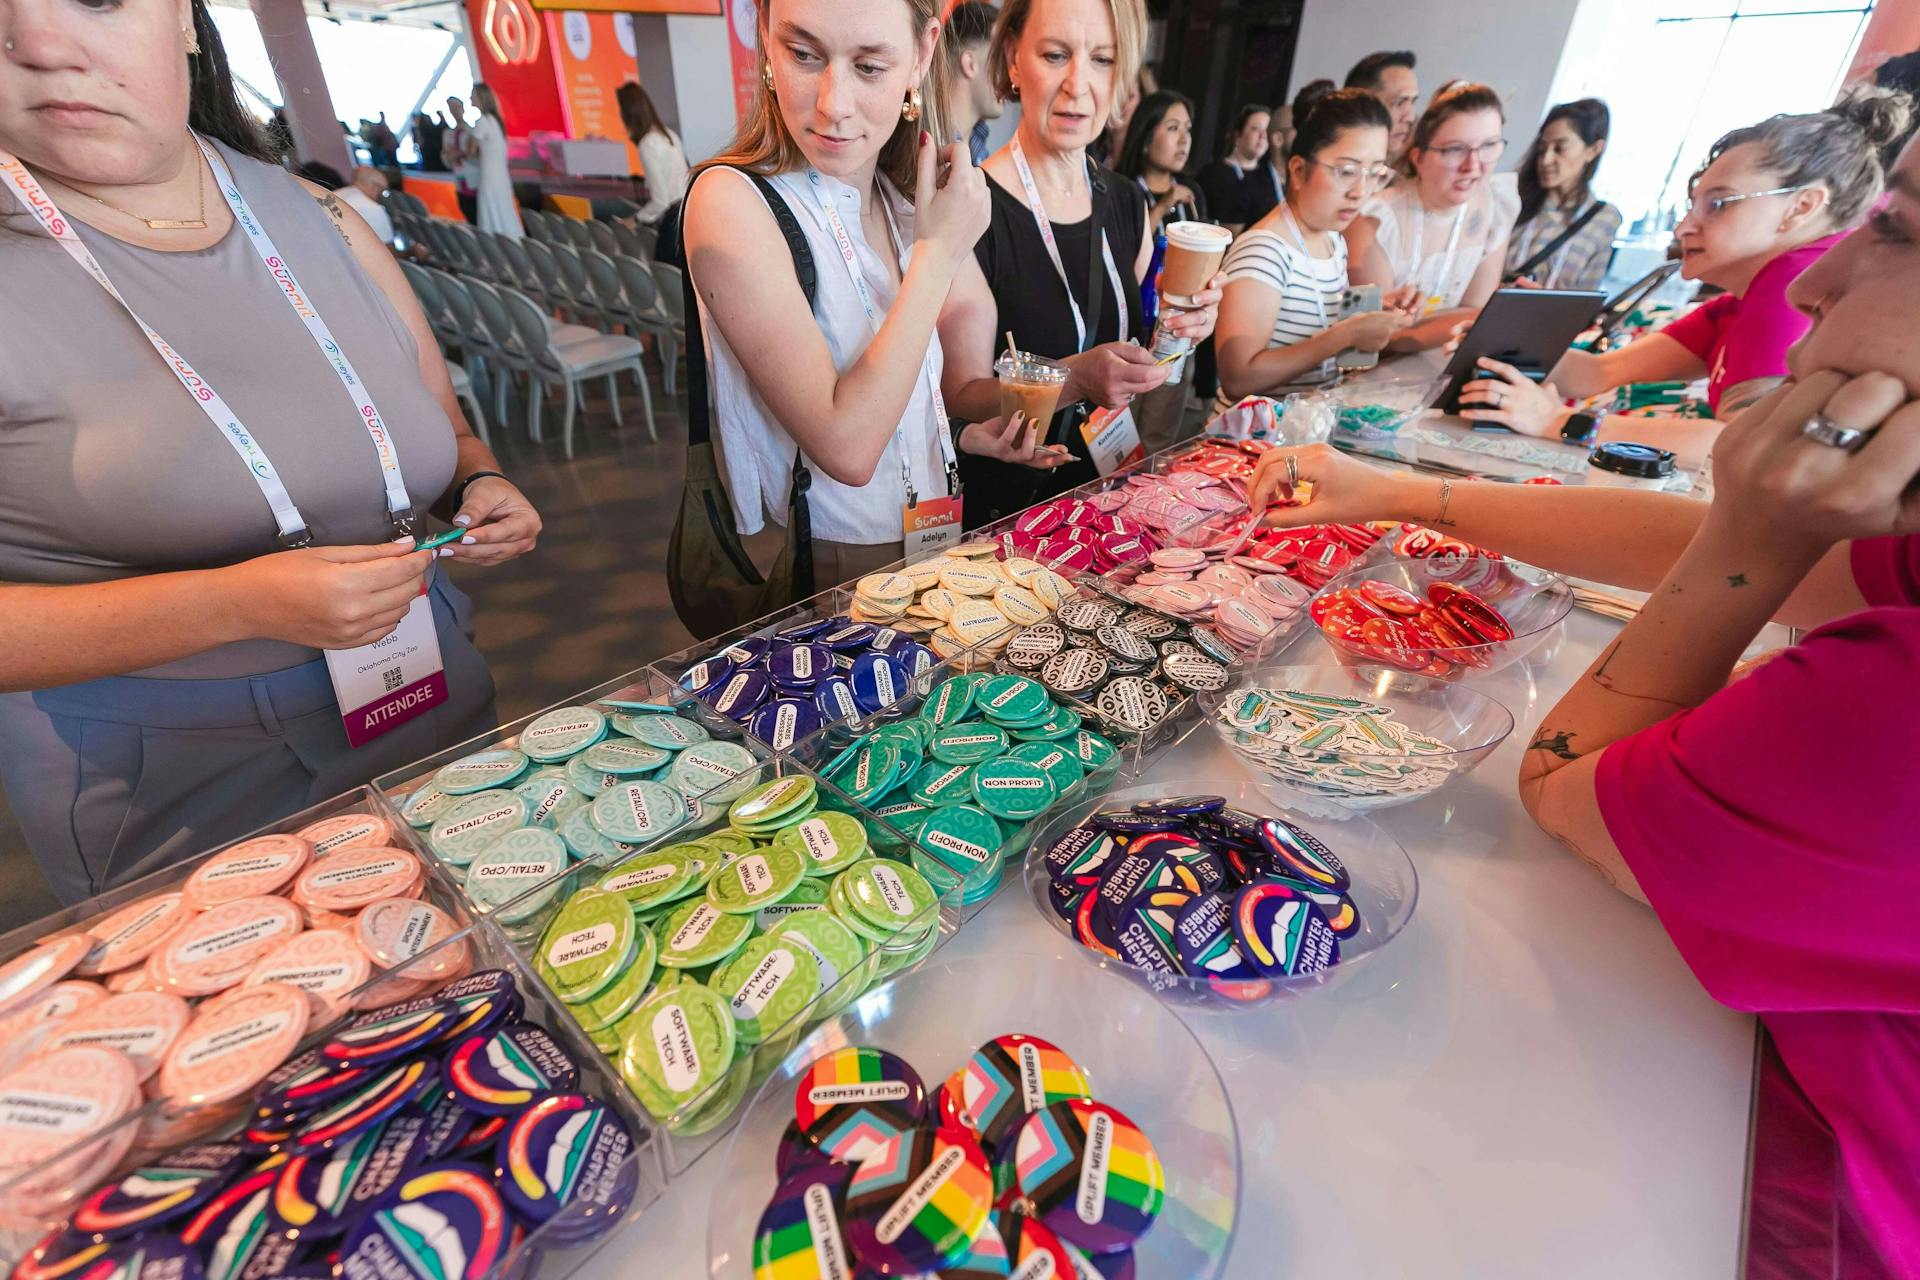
(1062, 67)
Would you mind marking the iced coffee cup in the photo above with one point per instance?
(1194, 252)
(1031, 385)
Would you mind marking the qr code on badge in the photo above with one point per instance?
(391, 678)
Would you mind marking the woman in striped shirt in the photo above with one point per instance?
(1280, 322)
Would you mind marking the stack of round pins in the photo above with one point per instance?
(449, 1108)
(1347, 749)
(966, 602)
(788, 684)
(1189, 888)
(732, 936)
(983, 757)
(582, 783)
(130, 1006)
(1131, 666)
(1010, 1167)
(1451, 630)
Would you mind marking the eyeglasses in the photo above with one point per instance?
(1715, 205)
(1349, 175)
(1456, 155)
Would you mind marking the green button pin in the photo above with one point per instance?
(585, 841)
(1060, 723)
(698, 933)
(1014, 701)
(809, 896)
(952, 701)
(965, 837)
(625, 757)
(626, 990)
(589, 942)
(837, 951)
(876, 768)
(651, 879)
(1057, 758)
(938, 784)
(482, 770)
(679, 1044)
(718, 772)
(829, 842)
(968, 743)
(887, 895)
(473, 822)
(639, 811)
(770, 983)
(1013, 789)
(425, 805)
(562, 732)
(755, 880)
(770, 801)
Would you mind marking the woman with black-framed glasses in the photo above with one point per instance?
(1280, 321)
(1443, 228)
(1770, 200)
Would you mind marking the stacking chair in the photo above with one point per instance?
(630, 242)
(576, 291)
(535, 222)
(611, 295)
(649, 238)
(526, 277)
(577, 234)
(507, 356)
(427, 290)
(673, 305)
(568, 365)
(540, 253)
(464, 393)
(602, 236)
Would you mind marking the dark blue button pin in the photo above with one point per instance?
(916, 658)
(703, 677)
(1129, 823)
(744, 653)
(800, 632)
(878, 682)
(1181, 806)
(799, 666)
(844, 634)
(1298, 853)
(833, 699)
(741, 695)
(784, 721)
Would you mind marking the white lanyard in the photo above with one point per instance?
(1041, 221)
(1239, 173)
(293, 528)
(1279, 187)
(1300, 238)
(1446, 264)
(847, 255)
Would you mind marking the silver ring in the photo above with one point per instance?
(1499, 396)
(1293, 472)
(1823, 430)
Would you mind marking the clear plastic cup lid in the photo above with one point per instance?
(1027, 367)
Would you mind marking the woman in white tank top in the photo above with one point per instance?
(1444, 227)
(852, 387)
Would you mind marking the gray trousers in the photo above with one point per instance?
(115, 778)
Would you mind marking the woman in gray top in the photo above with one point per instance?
(174, 559)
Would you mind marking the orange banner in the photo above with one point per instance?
(743, 37)
(595, 55)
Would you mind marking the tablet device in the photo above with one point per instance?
(1527, 328)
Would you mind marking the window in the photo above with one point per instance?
(1678, 74)
(370, 68)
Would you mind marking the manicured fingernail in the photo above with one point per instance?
(444, 552)
(405, 540)
(468, 541)
(463, 520)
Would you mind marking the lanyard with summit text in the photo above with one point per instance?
(1435, 299)
(1040, 220)
(293, 527)
(850, 258)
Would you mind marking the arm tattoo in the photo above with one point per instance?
(332, 205)
(1558, 744)
(1737, 580)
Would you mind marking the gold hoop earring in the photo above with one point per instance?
(910, 109)
(766, 73)
(193, 40)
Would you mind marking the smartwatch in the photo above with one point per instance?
(1580, 428)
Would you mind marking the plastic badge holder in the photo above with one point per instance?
(1470, 725)
(1534, 603)
(1385, 890)
(1138, 1056)
(1376, 408)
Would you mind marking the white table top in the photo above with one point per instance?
(1527, 1083)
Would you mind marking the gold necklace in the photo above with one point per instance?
(197, 223)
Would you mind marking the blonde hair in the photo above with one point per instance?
(1129, 47)
(764, 146)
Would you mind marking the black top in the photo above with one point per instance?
(1031, 303)
(1201, 210)
(1259, 197)
(1224, 189)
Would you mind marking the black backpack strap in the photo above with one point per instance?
(699, 406)
(1553, 246)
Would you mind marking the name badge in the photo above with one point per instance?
(381, 686)
(1113, 439)
(929, 528)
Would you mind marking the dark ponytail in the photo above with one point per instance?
(1588, 118)
(213, 107)
(1321, 116)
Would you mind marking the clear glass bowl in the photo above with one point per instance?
(1138, 1055)
(1468, 724)
(1385, 889)
(1533, 602)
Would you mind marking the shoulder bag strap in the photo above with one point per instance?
(1553, 245)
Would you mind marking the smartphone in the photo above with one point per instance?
(1358, 300)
